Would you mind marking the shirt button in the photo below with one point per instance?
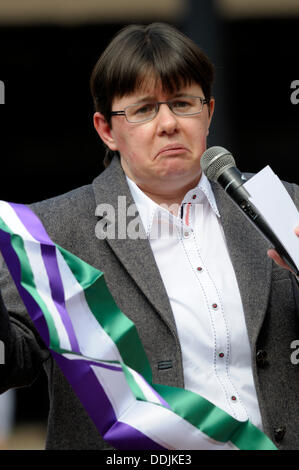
(194, 196)
(233, 398)
(221, 354)
(199, 268)
(261, 358)
(215, 306)
(187, 234)
(279, 433)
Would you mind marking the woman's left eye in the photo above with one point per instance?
(181, 104)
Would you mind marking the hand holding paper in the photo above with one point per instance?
(275, 256)
(272, 200)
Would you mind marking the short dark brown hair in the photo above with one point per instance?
(139, 53)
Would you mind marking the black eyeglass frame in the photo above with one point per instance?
(169, 103)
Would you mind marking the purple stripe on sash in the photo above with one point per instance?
(14, 267)
(129, 438)
(48, 252)
(31, 222)
(93, 397)
(95, 363)
(57, 291)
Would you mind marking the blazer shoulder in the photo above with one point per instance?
(67, 215)
(76, 200)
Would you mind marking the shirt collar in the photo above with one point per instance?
(147, 207)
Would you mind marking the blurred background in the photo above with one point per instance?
(48, 145)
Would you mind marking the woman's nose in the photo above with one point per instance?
(166, 119)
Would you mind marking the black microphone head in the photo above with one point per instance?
(215, 160)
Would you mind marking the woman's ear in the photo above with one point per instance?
(211, 107)
(104, 130)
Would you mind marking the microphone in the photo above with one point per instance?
(219, 165)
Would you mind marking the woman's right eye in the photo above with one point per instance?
(147, 108)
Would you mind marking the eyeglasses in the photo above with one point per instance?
(182, 106)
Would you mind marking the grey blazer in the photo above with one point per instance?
(269, 295)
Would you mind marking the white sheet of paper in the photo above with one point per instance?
(270, 197)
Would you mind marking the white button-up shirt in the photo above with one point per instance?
(191, 254)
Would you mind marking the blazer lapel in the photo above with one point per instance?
(111, 188)
(248, 252)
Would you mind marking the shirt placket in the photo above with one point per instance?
(220, 335)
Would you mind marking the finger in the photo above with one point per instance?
(297, 230)
(278, 260)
